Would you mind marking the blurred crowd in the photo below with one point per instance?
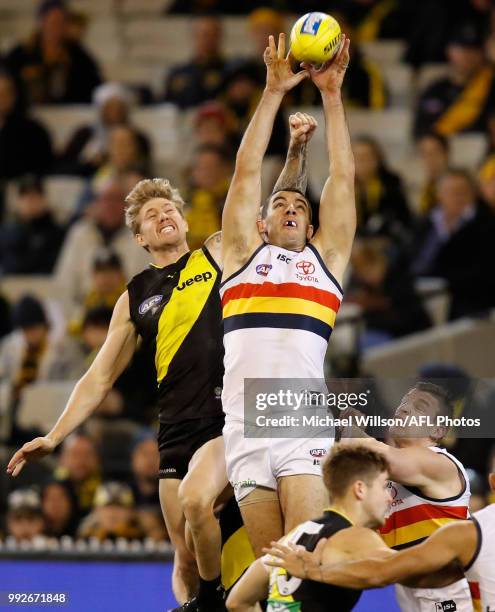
(445, 230)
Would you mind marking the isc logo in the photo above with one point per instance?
(282, 257)
(195, 279)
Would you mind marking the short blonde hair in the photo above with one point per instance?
(143, 192)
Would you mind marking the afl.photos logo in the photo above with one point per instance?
(305, 267)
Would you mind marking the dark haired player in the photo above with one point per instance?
(456, 549)
(429, 487)
(356, 479)
(280, 295)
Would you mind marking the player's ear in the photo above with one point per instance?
(140, 240)
(261, 223)
(438, 433)
(310, 232)
(359, 488)
(491, 480)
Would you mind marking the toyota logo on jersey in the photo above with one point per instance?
(305, 267)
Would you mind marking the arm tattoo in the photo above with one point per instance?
(294, 175)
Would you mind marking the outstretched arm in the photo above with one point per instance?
(440, 558)
(92, 388)
(337, 205)
(453, 545)
(415, 466)
(239, 231)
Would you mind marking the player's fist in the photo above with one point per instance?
(302, 127)
(31, 451)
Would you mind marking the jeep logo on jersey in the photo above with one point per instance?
(149, 303)
(195, 279)
(311, 24)
(317, 452)
(305, 267)
(263, 269)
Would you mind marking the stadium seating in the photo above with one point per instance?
(466, 343)
(42, 403)
(14, 287)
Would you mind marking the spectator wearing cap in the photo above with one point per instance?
(461, 101)
(24, 515)
(34, 351)
(145, 462)
(17, 129)
(31, 242)
(51, 68)
(102, 226)
(434, 153)
(88, 147)
(200, 78)
(455, 242)
(59, 506)
(79, 468)
(208, 186)
(113, 516)
(212, 126)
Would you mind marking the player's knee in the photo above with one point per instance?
(195, 504)
(232, 604)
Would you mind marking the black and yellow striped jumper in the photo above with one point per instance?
(176, 310)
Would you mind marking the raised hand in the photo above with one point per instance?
(331, 75)
(302, 127)
(296, 560)
(31, 451)
(279, 75)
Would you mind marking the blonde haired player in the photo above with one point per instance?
(280, 295)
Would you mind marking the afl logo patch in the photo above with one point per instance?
(149, 303)
(317, 452)
(263, 269)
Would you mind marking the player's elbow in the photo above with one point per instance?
(100, 383)
(377, 576)
(375, 580)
